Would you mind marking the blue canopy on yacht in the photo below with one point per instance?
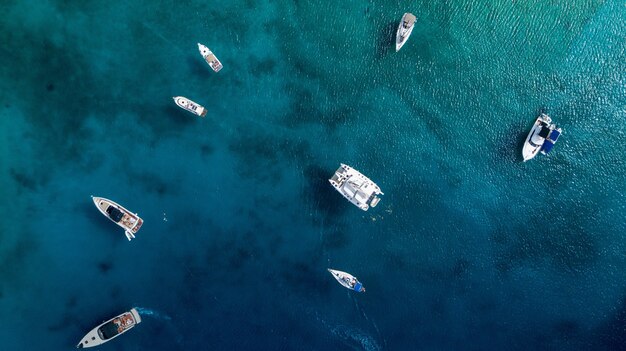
(358, 286)
(554, 136)
(547, 146)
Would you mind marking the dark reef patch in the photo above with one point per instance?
(24, 181)
(264, 66)
(104, 267)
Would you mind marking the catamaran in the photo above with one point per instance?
(190, 106)
(542, 137)
(347, 280)
(356, 187)
(131, 222)
(404, 29)
(210, 58)
(110, 329)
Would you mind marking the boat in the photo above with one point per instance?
(131, 222)
(110, 329)
(541, 138)
(210, 58)
(404, 29)
(190, 106)
(356, 187)
(347, 280)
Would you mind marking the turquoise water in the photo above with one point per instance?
(469, 249)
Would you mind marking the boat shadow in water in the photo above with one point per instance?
(178, 116)
(326, 200)
(386, 40)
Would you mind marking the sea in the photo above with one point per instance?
(470, 248)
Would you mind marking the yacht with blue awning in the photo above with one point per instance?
(541, 138)
(347, 280)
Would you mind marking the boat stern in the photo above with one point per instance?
(135, 315)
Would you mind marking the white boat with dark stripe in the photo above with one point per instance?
(356, 187)
(110, 329)
(131, 222)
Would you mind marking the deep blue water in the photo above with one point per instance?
(469, 249)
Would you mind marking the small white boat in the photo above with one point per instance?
(210, 58)
(190, 106)
(404, 29)
(542, 137)
(347, 280)
(110, 329)
(119, 215)
(356, 187)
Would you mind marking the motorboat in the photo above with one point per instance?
(190, 106)
(131, 222)
(210, 58)
(404, 29)
(541, 138)
(356, 187)
(110, 329)
(347, 280)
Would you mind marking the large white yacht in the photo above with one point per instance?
(110, 329)
(356, 187)
(347, 280)
(210, 58)
(404, 29)
(190, 106)
(541, 138)
(119, 215)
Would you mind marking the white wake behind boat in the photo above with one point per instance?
(210, 58)
(131, 222)
(405, 29)
(542, 137)
(190, 106)
(110, 329)
(356, 187)
(347, 280)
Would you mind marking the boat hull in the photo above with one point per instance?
(356, 187)
(347, 280)
(533, 143)
(210, 58)
(130, 222)
(110, 329)
(404, 30)
(191, 106)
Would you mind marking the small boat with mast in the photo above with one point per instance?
(347, 280)
(354, 186)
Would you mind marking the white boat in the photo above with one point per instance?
(356, 187)
(110, 329)
(347, 280)
(190, 106)
(119, 215)
(210, 58)
(542, 137)
(404, 29)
